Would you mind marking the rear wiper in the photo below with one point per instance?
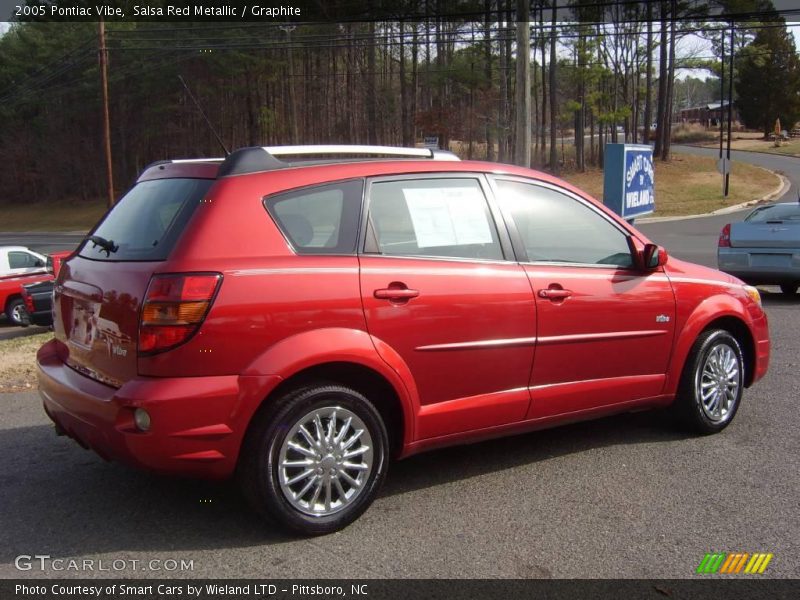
(107, 245)
(774, 222)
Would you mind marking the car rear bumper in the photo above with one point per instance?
(197, 423)
(761, 265)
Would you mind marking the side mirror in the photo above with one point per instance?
(653, 256)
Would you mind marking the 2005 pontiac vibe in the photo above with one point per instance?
(296, 321)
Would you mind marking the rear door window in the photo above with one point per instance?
(147, 222)
(446, 218)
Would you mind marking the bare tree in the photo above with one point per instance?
(522, 151)
(553, 111)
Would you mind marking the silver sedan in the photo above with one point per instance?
(764, 248)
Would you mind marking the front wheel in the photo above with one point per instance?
(316, 461)
(789, 289)
(712, 382)
(16, 313)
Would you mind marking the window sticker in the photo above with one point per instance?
(448, 216)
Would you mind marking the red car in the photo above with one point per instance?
(299, 323)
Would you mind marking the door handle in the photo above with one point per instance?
(395, 293)
(555, 294)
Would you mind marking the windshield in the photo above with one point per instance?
(145, 224)
(776, 212)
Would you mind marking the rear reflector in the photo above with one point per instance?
(173, 309)
(28, 299)
(725, 237)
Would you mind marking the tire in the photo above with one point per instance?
(16, 313)
(789, 289)
(702, 372)
(326, 493)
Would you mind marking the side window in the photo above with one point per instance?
(23, 260)
(431, 217)
(555, 227)
(321, 219)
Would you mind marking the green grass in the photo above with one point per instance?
(691, 185)
(58, 216)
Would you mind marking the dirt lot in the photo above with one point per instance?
(18, 364)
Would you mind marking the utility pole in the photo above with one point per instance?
(522, 152)
(103, 56)
(292, 104)
(721, 103)
(730, 113)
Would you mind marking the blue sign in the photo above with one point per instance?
(628, 180)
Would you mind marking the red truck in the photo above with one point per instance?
(20, 266)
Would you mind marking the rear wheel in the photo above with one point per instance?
(712, 383)
(316, 461)
(16, 313)
(790, 289)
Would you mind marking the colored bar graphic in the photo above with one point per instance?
(758, 564)
(711, 562)
(733, 562)
(741, 563)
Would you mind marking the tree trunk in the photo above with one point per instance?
(502, 109)
(662, 84)
(372, 100)
(509, 80)
(580, 160)
(670, 87)
(522, 150)
(542, 132)
(648, 99)
(553, 112)
(414, 84)
(487, 49)
(405, 125)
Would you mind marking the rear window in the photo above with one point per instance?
(145, 224)
(777, 212)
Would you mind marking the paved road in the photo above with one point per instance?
(627, 496)
(42, 241)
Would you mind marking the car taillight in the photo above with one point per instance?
(725, 237)
(28, 299)
(173, 309)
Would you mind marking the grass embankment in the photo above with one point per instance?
(691, 185)
(18, 362)
(55, 216)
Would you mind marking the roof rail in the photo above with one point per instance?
(195, 160)
(251, 160)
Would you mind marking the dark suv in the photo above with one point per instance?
(298, 324)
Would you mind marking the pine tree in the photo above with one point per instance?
(768, 80)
